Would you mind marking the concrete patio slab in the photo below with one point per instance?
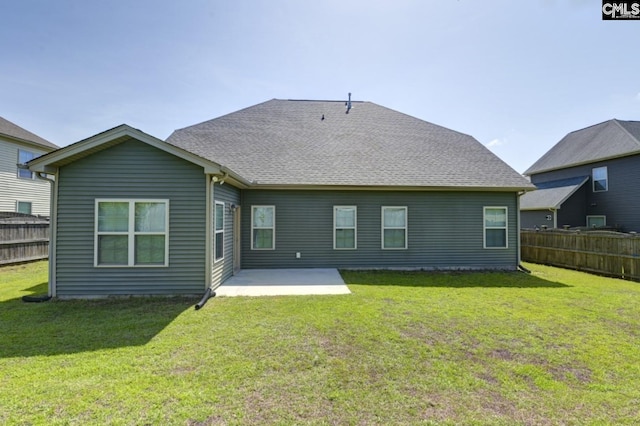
(283, 282)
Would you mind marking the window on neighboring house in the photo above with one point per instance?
(495, 227)
(596, 221)
(394, 227)
(23, 158)
(600, 179)
(263, 227)
(219, 231)
(132, 233)
(23, 207)
(344, 227)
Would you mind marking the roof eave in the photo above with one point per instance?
(528, 172)
(328, 187)
(34, 144)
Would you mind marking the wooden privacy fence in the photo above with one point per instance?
(23, 240)
(601, 252)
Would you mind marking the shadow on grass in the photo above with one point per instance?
(455, 279)
(72, 326)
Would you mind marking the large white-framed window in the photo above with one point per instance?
(394, 227)
(263, 227)
(23, 207)
(600, 179)
(345, 225)
(596, 221)
(496, 232)
(131, 232)
(23, 158)
(219, 231)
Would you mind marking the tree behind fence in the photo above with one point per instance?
(607, 253)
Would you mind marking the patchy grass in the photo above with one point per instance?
(554, 347)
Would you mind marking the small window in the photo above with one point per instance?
(23, 158)
(131, 233)
(263, 227)
(219, 231)
(600, 179)
(394, 227)
(495, 227)
(23, 207)
(596, 221)
(344, 227)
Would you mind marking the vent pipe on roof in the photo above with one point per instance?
(348, 104)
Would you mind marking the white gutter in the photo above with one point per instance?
(518, 226)
(53, 226)
(208, 231)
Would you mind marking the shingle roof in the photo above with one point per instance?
(12, 130)
(551, 195)
(287, 142)
(611, 139)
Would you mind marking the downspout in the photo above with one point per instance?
(53, 226)
(555, 217)
(209, 293)
(208, 231)
(520, 267)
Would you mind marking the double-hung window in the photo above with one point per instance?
(345, 222)
(495, 227)
(263, 227)
(219, 231)
(23, 158)
(600, 179)
(131, 233)
(394, 227)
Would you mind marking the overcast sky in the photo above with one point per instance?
(517, 76)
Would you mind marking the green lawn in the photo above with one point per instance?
(554, 347)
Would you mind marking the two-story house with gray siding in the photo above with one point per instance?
(591, 178)
(20, 189)
(282, 184)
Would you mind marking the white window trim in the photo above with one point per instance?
(131, 233)
(405, 227)
(590, 216)
(218, 231)
(485, 227)
(606, 180)
(354, 227)
(273, 227)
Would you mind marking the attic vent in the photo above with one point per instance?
(348, 104)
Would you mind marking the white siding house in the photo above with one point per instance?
(20, 190)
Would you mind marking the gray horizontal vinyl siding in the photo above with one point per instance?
(445, 230)
(620, 204)
(530, 219)
(131, 170)
(223, 269)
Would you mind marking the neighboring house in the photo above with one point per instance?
(591, 178)
(283, 184)
(20, 189)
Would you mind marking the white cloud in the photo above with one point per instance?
(638, 97)
(496, 142)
